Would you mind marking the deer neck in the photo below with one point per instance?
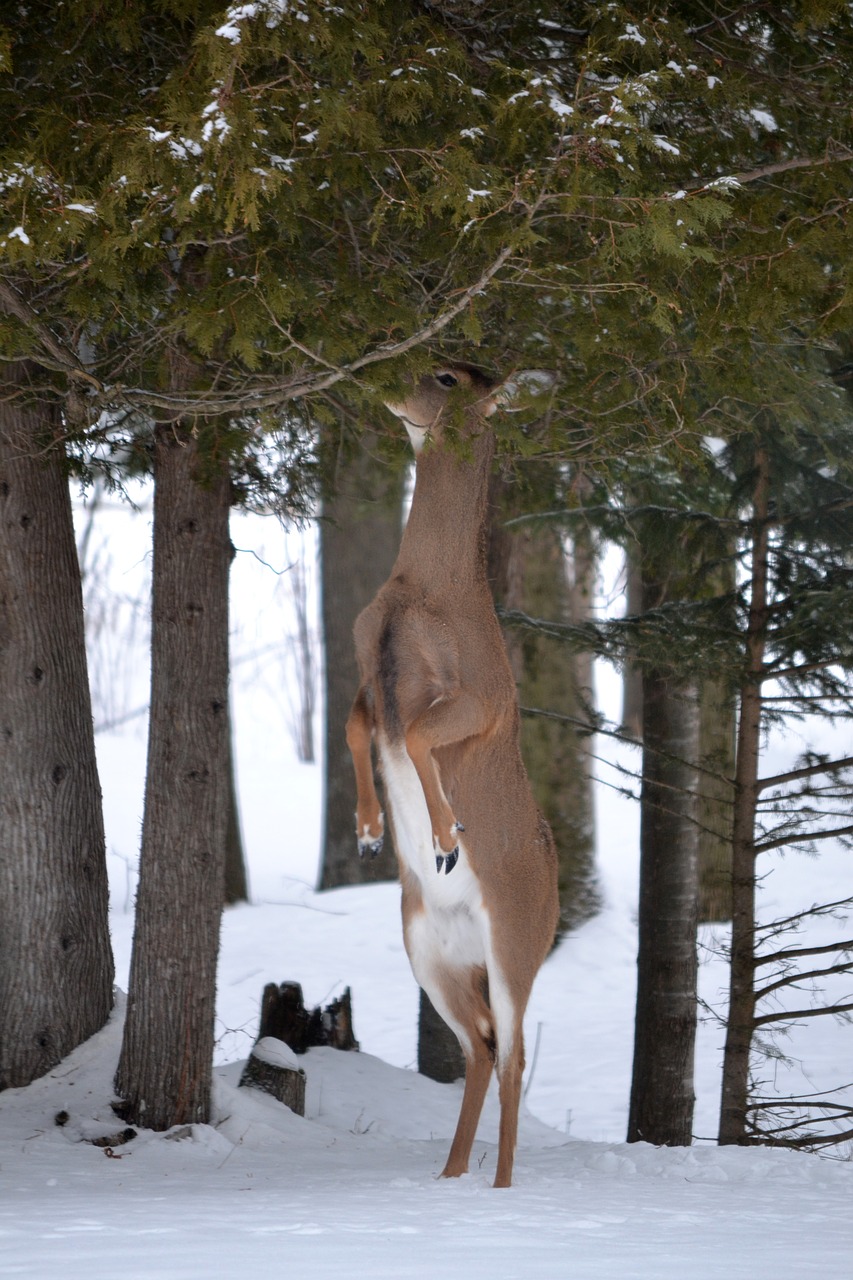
(444, 542)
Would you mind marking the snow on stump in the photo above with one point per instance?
(273, 1068)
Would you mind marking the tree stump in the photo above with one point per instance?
(284, 1016)
(272, 1068)
(287, 1028)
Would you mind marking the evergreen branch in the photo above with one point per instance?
(64, 360)
(835, 153)
(791, 1014)
(791, 979)
(813, 1140)
(794, 953)
(764, 845)
(784, 923)
(807, 772)
(240, 400)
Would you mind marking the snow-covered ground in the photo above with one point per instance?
(352, 1188)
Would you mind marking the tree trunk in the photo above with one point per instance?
(164, 1072)
(632, 676)
(236, 879)
(717, 734)
(359, 541)
(529, 572)
(662, 1099)
(741, 1018)
(439, 1053)
(56, 967)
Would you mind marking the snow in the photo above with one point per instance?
(352, 1187)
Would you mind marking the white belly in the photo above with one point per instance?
(453, 929)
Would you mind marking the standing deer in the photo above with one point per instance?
(477, 859)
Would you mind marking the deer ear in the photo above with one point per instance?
(523, 387)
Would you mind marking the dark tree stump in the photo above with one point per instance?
(284, 1017)
(272, 1068)
(287, 1028)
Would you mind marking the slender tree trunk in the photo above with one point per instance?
(741, 1018)
(165, 1069)
(632, 676)
(236, 879)
(662, 1098)
(56, 967)
(715, 799)
(359, 541)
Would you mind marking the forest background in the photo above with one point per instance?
(230, 231)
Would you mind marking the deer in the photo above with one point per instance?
(437, 698)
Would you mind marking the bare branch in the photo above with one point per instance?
(791, 979)
(780, 778)
(795, 953)
(804, 838)
(788, 1015)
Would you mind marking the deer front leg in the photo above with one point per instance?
(450, 720)
(369, 819)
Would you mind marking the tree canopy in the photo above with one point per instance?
(650, 199)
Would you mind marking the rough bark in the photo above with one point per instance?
(271, 1067)
(164, 1073)
(741, 1016)
(359, 540)
(529, 572)
(56, 968)
(662, 1098)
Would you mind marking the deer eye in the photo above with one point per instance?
(446, 379)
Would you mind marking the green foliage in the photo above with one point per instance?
(650, 199)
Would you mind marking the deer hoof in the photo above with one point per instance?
(447, 860)
(371, 845)
(371, 848)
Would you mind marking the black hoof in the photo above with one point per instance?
(451, 860)
(439, 862)
(372, 848)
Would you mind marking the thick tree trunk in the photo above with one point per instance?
(359, 540)
(741, 1017)
(529, 572)
(56, 968)
(662, 1098)
(164, 1073)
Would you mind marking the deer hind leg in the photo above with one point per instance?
(369, 820)
(507, 1009)
(510, 1071)
(452, 719)
(462, 1002)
